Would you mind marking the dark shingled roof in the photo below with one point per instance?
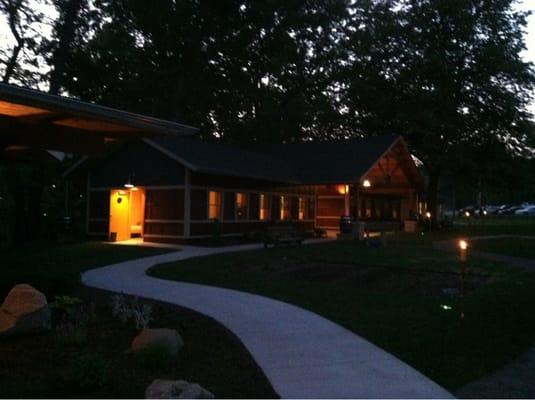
(224, 160)
(305, 162)
(333, 161)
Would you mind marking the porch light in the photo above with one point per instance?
(428, 215)
(129, 184)
(366, 183)
(467, 214)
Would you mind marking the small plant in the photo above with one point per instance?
(124, 309)
(90, 371)
(70, 320)
(155, 357)
(70, 334)
(142, 315)
(66, 304)
(119, 307)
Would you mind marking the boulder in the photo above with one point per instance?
(24, 310)
(164, 389)
(168, 339)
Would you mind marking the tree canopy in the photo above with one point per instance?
(445, 74)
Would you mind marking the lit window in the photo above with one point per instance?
(214, 205)
(285, 208)
(303, 208)
(264, 207)
(241, 206)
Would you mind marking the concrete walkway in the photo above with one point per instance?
(519, 262)
(302, 354)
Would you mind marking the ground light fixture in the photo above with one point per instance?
(463, 248)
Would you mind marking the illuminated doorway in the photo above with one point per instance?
(127, 208)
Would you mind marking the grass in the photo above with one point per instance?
(55, 270)
(404, 320)
(516, 247)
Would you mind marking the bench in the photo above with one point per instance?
(279, 235)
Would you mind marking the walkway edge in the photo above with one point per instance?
(302, 354)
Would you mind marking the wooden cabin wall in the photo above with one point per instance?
(164, 213)
(229, 224)
(98, 212)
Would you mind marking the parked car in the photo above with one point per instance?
(472, 211)
(509, 210)
(529, 210)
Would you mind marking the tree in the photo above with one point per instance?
(19, 62)
(244, 71)
(447, 74)
(68, 29)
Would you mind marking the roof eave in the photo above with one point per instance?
(80, 108)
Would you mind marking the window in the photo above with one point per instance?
(241, 206)
(264, 207)
(285, 208)
(214, 205)
(303, 208)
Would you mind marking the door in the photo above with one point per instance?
(120, 214)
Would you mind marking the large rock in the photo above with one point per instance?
(24, 310)
(168, 339)
(163, 389)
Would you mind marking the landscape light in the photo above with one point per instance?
(445, 307)
(463, 244)
(366, 183)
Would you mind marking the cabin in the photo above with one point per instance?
(174, 189)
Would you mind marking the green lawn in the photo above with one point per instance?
(392, 297)
(55, 270)
(516, 247)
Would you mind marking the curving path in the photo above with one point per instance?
(303, 354)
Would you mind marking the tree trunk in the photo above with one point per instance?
(432, 195)
(12, 62)
(65, 31)
(12, 21)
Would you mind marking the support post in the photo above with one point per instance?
(187, 202)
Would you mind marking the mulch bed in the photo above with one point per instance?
(39, 366)
(374, 278)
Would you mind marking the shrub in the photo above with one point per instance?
(155, 357)
(90, 371)
(69, 334)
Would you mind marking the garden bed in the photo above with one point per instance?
(42, 366)
(373, 278)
